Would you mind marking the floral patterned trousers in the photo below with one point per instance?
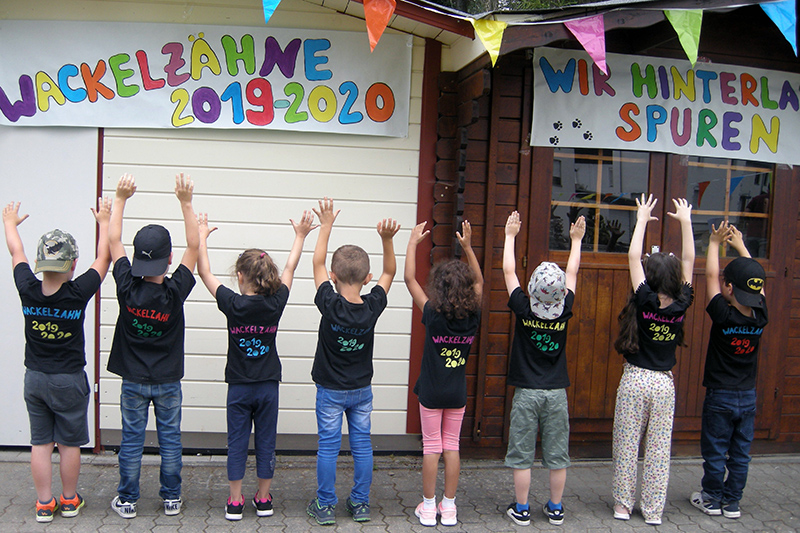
(645, 407)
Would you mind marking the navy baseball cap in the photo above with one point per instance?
(151, 248)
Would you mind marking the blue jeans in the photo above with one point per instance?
(134, 401)
(252, 404)
(725, 439)
(357, 405)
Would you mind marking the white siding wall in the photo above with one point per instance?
(251, 183)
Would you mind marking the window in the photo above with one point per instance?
(601, 185)
(733, 190)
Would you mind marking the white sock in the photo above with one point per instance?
(448, 503)
(429, 503)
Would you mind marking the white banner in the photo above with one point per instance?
(196, 76)
(660, 105)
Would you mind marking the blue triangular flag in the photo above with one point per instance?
(784, 15)
(269, 8)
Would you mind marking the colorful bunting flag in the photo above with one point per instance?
(687, 25)
(269, 8)
(735, 181)
(591, 33)
(702, 186)
(490, 32)
(784, 15)
(377, 13)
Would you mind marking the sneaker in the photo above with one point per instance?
(234, 510)
(360, 511)
(652, 521)
(731, 510)
(621, 513)
(323, 514)
(172, 507)
(70, 508)
(263, 507)
(124, 509)
(427, 517)
(45, 511)
(449, 515)
(521, 518)
(556, 516)
(705, 504)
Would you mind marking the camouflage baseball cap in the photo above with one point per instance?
(55, 252)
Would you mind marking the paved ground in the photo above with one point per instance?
(771, 501)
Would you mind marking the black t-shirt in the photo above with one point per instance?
(658, 328)
(538, 357)
(252, 326)
(442, 382)
(54, 340)
(346, 334)
(148, 337)
(732, 356)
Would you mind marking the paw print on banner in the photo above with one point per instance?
(577, 123)
(557, 125)
(554, 140)
(587, 135)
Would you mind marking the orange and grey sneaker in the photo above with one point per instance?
(45, 511)
(71, 507)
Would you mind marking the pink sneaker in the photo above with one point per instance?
(448, 515)
(427, 517)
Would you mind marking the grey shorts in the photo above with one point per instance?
(533, 409)
(57, 405)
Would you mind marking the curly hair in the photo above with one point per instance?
(259, 270)
(451, 290)
(350, 263)
(663, 275)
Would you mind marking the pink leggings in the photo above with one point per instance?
(440, 429)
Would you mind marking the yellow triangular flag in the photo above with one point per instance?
(687, 25)
(490, 32)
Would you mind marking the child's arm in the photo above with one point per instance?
(683, 212)
(387, 229)
(465, 240)
(126, 187)
(203, 264)
(102, 215)
(418, 234)
(717, 236)
(301, 231)
(12, 219)
(736, 240)
(184, 189)
(509, 256)
(643, 216)
(326, 217)
(576, 232)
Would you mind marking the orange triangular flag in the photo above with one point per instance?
(377, 14)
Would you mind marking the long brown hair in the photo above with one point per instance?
(259, 271)
(451, 290)
(663, 275)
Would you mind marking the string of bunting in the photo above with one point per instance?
(589, 31)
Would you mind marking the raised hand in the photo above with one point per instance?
(465, 237)
(202, 225)
(513, 224)
(683, 210)
(11, 214)
(126, 186)
(306, 224)
(644, 208)
(418, 234)
(103, 211)
(326, 214)
(578, 229)
(184, 188)
(387, 228)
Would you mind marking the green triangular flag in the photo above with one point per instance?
(687, 25)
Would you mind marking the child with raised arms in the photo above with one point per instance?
(738, 310)
(451, 316)
(651, 329)
(538, 370)
(253, 369)
(56, 388)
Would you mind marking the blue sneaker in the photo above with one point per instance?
(360, 511)
(555, 516)
(521, 518)
(706, 504)
(731, 510)
(324, 514)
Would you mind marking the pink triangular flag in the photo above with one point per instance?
(377, 14)
(591, 33)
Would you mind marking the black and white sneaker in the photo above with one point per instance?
(705, 504)
(521, 518)
(124, 509)
(731, 510)
(263, 507)
(234, 510)
(556, 516)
